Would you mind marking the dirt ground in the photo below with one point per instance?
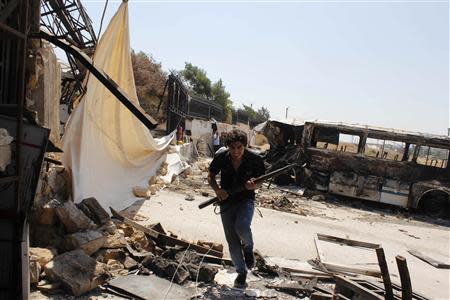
(288, 226)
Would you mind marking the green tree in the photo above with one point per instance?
(150, 80)
(263, 113)
(250, 112)
(256, 117)
(222, 97)
(148, 75)
(197, 79)
(201, 85)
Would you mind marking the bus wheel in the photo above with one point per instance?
(436, 204)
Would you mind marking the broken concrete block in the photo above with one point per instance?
(35, 271)
(153, 189)
(76, 271)
(114, 266)
(140, 242)
(73, 218)
(203, 166)
(166, 268)
(141, 192)
(129, 263)
(127, 230)
(153, 180)
(94, 211)
(163, 171)
(58, 182)
(198, 173)
(46, 214)
(51, 288)
(41, 255)
(103, 255)
(205, 273)
(117, 240)
(318, 198)
(214, 246)
(188, 171)
(88, 241)
(46, 235)
(108, 227)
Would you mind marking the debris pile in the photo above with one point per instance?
(77, 248)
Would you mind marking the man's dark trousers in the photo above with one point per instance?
(236, 220)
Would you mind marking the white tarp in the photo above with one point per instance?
(106, 148)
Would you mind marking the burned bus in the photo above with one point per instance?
(388, 166)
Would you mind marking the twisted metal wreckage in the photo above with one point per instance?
(401, 168)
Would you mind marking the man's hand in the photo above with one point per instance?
(251, 185)
(221, 194)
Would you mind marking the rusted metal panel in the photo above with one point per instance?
(350, 184)
(395, 192)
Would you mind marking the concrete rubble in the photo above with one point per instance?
(77, 271)
(72, 218)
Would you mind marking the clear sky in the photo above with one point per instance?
(383, 63)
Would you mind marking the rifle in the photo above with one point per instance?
(256, 180)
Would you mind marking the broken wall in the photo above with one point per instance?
(44, 91)
(201, 132)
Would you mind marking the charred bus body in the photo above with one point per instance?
(394, 167)
(389, 166)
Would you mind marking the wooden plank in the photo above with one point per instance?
(294, 286)
(348, 242)
(136, 253)
(153, 233)
(385, 273)
(319, 251)
(320, 296)
(404, 277)
(429, 260)
(378, 286)
(309, 272)
(165, 239)
(217, 260)
(347, 269)
(343, 283)
(300, 276)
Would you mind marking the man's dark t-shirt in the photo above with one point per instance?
(252, 166)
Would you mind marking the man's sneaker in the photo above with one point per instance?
(249, 260)
(239, 282)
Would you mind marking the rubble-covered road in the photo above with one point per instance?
(288, 235)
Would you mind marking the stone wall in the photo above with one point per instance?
(44, 90)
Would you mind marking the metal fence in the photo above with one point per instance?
(183, 104)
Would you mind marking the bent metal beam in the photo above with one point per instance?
(110, 84)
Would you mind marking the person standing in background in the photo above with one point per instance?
(216, 140)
